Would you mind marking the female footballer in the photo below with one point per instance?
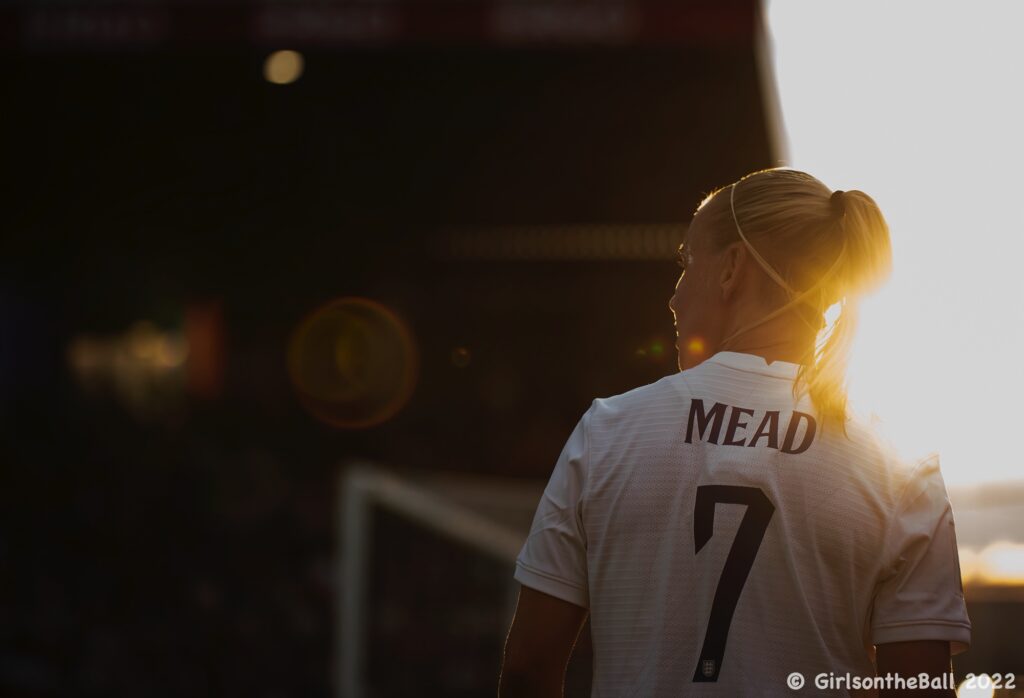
(730, 529)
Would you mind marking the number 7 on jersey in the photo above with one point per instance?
(737, 564)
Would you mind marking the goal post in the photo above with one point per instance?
(490, 515)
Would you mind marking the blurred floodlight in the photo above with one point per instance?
(171, 351)
(283, 67)
(143, 367)
(144, 341)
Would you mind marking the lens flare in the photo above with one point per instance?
(352, 363)
(695, 345)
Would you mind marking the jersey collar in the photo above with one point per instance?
(755, 364)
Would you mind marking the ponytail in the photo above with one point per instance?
(833, 247)
(866, 262)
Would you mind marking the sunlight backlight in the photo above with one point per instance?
(1003, 563)
(915, 104)
(998, 564)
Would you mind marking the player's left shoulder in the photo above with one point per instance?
(898, 474)
(924, 479)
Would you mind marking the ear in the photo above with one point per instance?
(734, 258)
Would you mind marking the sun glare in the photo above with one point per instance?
(914, 103)
(1000, 563)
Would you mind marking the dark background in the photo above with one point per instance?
(180, 541)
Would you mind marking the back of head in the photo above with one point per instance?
(829, 248)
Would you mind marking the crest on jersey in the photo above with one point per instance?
(707, 667)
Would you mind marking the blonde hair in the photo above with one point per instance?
(826, 254)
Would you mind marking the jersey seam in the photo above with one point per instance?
(896, 509)
(755, 373)
(549, 522)
(688, 389)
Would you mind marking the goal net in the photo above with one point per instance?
(426, 593)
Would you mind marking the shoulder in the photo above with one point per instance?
(664, 396)
(901, 478)
(638, 401)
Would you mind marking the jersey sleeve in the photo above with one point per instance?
(920, 594)
(554, 558)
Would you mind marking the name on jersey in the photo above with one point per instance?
(739, 423)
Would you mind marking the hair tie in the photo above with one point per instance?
(838, 203)
(765, 264)
(795, 297)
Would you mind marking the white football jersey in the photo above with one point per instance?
(722, 539)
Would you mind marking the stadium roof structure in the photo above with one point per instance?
(333, 23)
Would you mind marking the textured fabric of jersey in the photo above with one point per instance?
(845, 547)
